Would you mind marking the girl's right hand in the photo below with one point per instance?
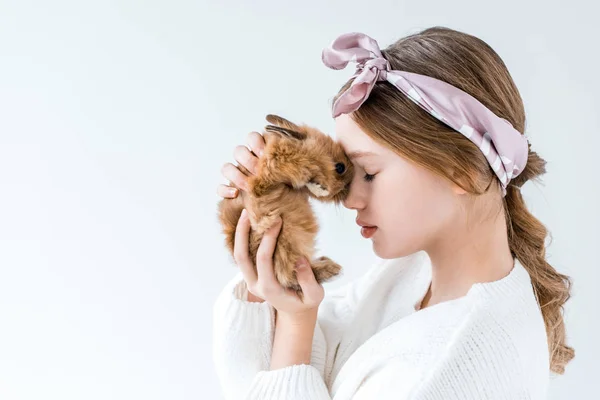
(248, 159)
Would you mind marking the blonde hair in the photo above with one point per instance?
(470, 64)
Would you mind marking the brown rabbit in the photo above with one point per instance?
(298, 162)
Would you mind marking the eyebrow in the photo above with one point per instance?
(358, 153)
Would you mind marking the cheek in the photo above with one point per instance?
(410, 206)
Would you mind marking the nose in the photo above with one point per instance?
(354, 200)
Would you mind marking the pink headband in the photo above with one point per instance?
(505, 148)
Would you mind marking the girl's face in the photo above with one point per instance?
(411, 207)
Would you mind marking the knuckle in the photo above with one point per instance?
(240, 180)
(252, 136)
(262, 257)
(274, 228)
(269, 290)
(243, 185)
(244, 157)
(238, 151)
(229, 192)
(238, 261)
(256, 141)
(227, 170)
(250, 160)
(238, 256)
(240, 223)
(258, 287)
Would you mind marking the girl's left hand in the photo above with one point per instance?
(264, 284)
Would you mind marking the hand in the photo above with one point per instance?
(248, 159)
(264, 284)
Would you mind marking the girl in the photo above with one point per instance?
(463, 304)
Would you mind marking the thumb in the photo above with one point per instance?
(312, 290)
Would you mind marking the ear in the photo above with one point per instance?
(458, 190)
(280, 121)
(286, 132)
(456, 187)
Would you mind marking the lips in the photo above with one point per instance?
(364, 224)
(367, 229)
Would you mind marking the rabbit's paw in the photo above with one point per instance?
(317, 189)
(325, 268)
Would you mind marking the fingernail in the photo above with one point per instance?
(244, 213)
(261, 152)
(232, 191)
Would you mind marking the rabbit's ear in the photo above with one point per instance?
(286, 132)
(284, 123)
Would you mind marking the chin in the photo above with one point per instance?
(380, 254)
(382, 251)
(388, 251)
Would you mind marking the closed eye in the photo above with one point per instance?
(368, 177)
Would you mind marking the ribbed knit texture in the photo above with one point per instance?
(372, 342)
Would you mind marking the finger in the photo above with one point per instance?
(240, 249)
(227, 192)
(264, 255)
(256, 142)
(246, 158)
(234, 175)
(312, 291)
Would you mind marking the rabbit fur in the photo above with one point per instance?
(299, 162)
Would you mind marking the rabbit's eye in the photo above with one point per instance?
(340, 168)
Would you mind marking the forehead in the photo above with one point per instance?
(351, 137)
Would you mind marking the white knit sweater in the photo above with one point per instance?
(373, 342)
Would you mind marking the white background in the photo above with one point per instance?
(116, 117)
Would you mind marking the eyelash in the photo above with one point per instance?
(368, 178)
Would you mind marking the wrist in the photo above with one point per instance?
(297, 320)
(292, 344)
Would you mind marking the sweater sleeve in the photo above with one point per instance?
(296, 382)
(243, 334)
(243, 339)
(302, 382)
(308, 382)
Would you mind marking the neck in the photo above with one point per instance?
(465, 255)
